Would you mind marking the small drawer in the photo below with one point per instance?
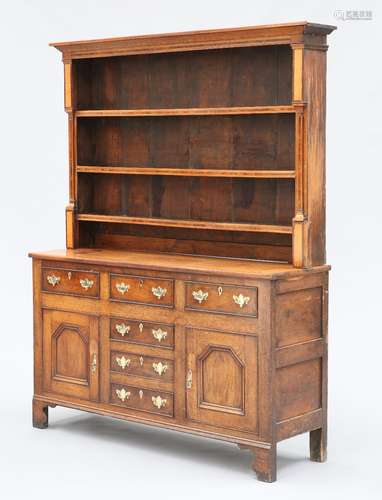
(70, 282)
(224, 299)
(142, 366)
(139, 398)
(139, 332)
(142, 290)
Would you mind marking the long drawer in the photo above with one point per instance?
(142, 365)
(70, 282)
(142, 332)
(142, 290)
(224, 299)
(142, 399)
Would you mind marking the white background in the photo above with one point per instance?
(97, 457)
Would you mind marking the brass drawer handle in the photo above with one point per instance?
(200, 295)
(53, 280)
(159, 292)
(122, 287)
(158, 402)
(123, 362)
(123, 394)
(159, 334)
(160, 368)
(241, 300)
(86, 283)
(94, 363)
(122, 329)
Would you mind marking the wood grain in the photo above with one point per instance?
(219, 226)
(187, 162)
(177, 263)
(189, 172)
(276, 34)
(234, 384)
(254, 110)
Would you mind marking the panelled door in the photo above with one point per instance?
(70, 353)
(221, 379)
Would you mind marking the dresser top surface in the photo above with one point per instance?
(194, 40)
(178, 263)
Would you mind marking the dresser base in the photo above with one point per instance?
(222, 349)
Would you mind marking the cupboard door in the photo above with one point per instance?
(70, 347)
(221, 379)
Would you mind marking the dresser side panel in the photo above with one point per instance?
(37, 328)
(300, 355)
(314, 82)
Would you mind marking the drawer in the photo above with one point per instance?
(70, 282)
(139, 332)
(142, 365)
(139, 398)
(142, 290)
(224, 299)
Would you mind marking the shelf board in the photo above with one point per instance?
(188, 172)
(255, 110)
(191, 224)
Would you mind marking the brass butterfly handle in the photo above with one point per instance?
(158, 292)
(241, 300)
(122, 287)
(123, 362)
(86, 283)
(122, 329)
(122, 394)
(53, 280)
(200, 296)
(158, 402)
(160, 368)
(159, 334)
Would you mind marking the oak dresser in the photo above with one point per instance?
(192, 294)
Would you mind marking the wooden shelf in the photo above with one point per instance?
(255, 110)
(188, 172)
(191, 224)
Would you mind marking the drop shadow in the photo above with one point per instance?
(175, 444)
(289, 462)
(132, 435)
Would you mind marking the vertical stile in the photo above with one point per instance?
(68, 86)
(69, 219)
(299, 171)
(300, 221)
(71, 136)
(69, 98)
(298, 61)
